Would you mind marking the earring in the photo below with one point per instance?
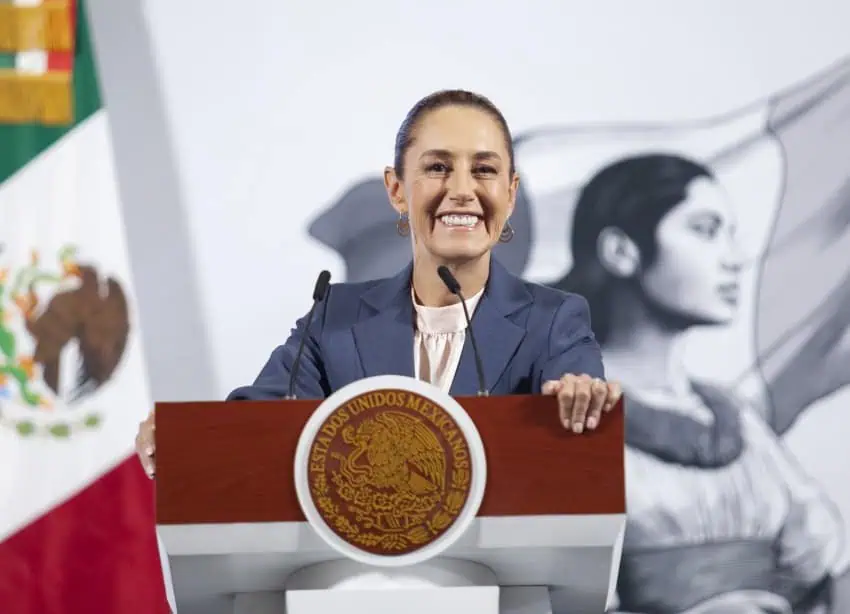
(507, 232)
(402, 226)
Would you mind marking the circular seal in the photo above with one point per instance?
(390, 471)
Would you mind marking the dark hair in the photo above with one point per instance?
(446, 98)
(633, 194)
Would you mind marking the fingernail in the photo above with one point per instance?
(591, 423)
(149, 451)
(566, 424)
(578, 427)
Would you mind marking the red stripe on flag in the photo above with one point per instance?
(64, 60)
(60, 61)
(97, 552)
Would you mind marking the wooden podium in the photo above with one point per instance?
(553, 512)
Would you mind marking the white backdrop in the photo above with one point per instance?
(272, 109)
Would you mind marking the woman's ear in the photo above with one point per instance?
(395, 190)
(617, 253)
(513, 190)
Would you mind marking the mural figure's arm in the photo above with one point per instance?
(739, 602)
(810, 545)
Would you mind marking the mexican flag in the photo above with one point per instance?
(76, 510)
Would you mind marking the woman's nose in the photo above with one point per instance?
(734, 258)
(461, 188)
(461, 199)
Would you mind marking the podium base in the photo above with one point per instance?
(512, 600)
(447, 586)
(346, 574)
(454, 600)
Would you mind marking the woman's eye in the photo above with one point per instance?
(438, 167)
(707, 230)
(485, 170)
(707, 226)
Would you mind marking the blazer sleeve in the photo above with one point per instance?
(273, 380)
(572, 345)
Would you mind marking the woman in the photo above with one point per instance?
(721, 519)
(453, 186)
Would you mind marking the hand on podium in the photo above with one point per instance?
(582, 399)
(146, 445)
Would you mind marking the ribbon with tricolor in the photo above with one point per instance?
(36, 61)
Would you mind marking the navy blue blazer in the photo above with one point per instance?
(526, 333)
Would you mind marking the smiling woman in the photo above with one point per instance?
(454, 182)
(453, 187)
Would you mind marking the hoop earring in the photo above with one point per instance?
(507, 232)
(402, 226)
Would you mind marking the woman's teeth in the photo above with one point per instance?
(467, 221)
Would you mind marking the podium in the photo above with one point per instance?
(546, 535)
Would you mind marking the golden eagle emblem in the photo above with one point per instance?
(402, 454)
(390, 472)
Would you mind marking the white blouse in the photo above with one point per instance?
(438, 341)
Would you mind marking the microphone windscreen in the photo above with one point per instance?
(448, 279)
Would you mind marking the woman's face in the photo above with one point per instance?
(457, 187)
(696, 270)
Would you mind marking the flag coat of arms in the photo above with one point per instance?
(76, 510)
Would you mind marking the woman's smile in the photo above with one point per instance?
(458, 222)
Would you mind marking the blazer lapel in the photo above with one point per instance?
(384, 339)
(497, 336)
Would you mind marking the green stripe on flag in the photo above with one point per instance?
(7, 60)
(19, 144)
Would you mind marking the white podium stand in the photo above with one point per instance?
(574, 559)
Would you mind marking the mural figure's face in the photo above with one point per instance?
(695, 275)
(457, 187)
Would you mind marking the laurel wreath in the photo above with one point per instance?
(365, 501)
(61, 429)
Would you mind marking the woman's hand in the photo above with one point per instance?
(582, 400)
(146, 445)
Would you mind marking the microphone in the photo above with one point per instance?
(453, 286)
(319, 291)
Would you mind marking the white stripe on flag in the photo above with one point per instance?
(32, 62)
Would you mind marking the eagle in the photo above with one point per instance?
(402, 454)
(95, 314)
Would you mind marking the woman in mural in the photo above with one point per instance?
(721, 518)
(785, 161)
